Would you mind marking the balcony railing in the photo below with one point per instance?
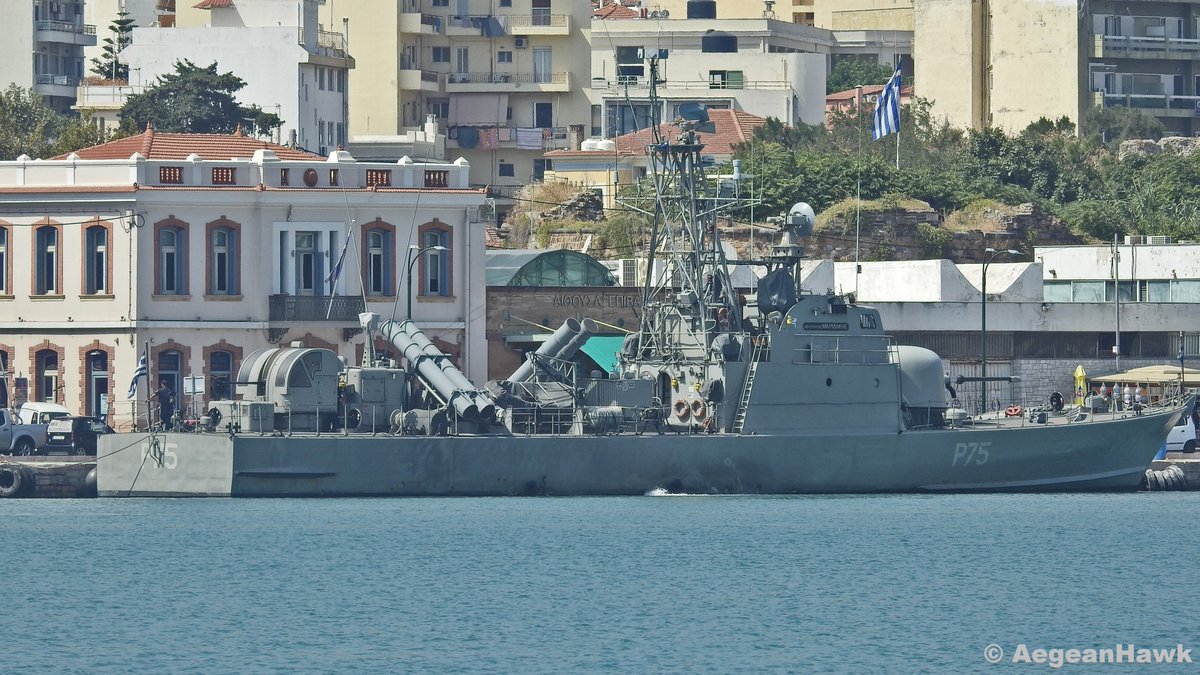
(339, 308)
(517, 22)
(1153, 47)
(60, 80)
(67, 27)
(505, 78)
(330, 41)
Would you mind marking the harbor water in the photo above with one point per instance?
(651, 584)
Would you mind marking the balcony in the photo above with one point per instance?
(538, 24)
(331, 44)
(1145, 47)
(56, 85)
(461, 83)
(415, 79)
(332, 308)
(1158, 105)
(415, 23)
(65, 32)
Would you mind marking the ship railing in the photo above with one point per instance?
(824, 348)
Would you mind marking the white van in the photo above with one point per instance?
(1183, 436)
(40, 412)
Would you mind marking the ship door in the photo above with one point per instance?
(664, 389)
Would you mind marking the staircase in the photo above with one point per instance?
(739, 421)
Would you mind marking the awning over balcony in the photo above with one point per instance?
(479, 109)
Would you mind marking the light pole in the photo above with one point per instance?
(409, 261)
(983, 325)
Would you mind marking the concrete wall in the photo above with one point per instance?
(17, 65)
(1035, 36)
(947, 61)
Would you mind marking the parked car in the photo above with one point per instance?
(41, 412)
(17, 438)
(1183, 435)
(74, 435)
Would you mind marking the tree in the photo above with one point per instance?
(30, 127)
(849, 72)
(107, 64)
(195, 100)
(1110, 126)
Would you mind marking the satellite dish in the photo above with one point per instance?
(656, 14)
(664, 14)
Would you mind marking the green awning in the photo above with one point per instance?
(604, 349)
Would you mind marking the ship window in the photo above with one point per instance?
(867, 321)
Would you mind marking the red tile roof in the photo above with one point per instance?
(154, 145)
(616, 11)
(213, 4)
(872, 90)
(730, 128)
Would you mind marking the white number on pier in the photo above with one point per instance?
(966, 454)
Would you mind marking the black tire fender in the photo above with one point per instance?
(12, 480)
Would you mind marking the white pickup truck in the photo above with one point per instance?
(17, 438)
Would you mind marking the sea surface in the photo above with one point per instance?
(649, 584)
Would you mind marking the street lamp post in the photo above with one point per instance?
(983, 326)
(409, 261)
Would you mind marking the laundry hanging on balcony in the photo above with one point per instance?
(468, 137)
(489, 139)
(529, 139)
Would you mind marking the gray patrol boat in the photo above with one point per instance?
(791, 392)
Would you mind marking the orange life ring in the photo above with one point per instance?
(681, 409)
(698, 410)
(1013, 411)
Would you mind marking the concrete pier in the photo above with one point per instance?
(1189, 464)
(47, 477)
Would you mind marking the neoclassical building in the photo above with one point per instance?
(198, 249)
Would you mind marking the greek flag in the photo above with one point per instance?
(337, 267)
(143, 369)
(887, 109)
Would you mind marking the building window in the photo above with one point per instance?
(725, 79)
(435, 265)
(46, 265)
(223, 259)
(224, 175)
(441, 3)
(283, 177)
(341, 80)
(329, 132)
(4, 289)
(439, 108)
(168, 369)
(506, 3)
(47, 376)
(504, 57)
(220, 376)
(308, 260)
(380, 177)
(321, 79)
(170, 175)
(380, 255)
(333, 177)
(441, 55)
(507, 170)
(540, 167)
(172, 260)
(95, 264)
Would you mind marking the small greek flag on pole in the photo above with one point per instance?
(336, 272)
(143, 370)
(887, 109)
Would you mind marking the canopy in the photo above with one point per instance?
(604, 350)
(1160, 374)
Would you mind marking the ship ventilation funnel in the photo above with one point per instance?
(550, 348)
(436, 369)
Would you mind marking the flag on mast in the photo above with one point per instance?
(887, 109)
(142, 370)
(336, 272)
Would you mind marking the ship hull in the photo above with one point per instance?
(1097, 456)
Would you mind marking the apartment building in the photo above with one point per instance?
(44, 49)
(293, 66)
(204, 248)
(829, 14)
(761, 66)
(505, 78)
(1086, 54)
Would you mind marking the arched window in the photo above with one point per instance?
(171, 263)
(169, 363)
(220, 376)
(46, 262)
(46, 362)
(435, 265)
(223, 261)
(95, 263)
(380, 263)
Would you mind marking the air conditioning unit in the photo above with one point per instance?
(1158, 240)
(628, 272)
(521, 43)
